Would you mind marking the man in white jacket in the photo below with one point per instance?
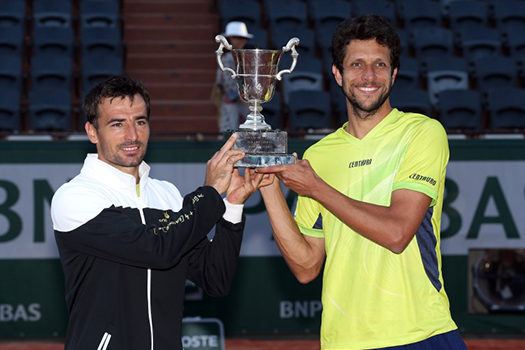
(128, 242)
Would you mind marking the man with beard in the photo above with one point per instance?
(369, 208)
(128, 242)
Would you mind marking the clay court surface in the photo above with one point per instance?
(242, 344)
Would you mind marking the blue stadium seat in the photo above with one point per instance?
(273, 113)
(309, 68)
(419, 13)
(52, 72)
(383, 8)
(494, 72)
(285, 8)
(309, 111)
(338, 101)
(323, 38)
(410, 100)
(408, 73)
(479, 42)
(509, 16)
(101, 41)
(301, 80)
(98, 68)
(445, 62)
(53, 40)
(304, 64)
(52, 13)
(99, 13)
(520, 64)
(12, 40)
(326, 59)
(460, 110)
(12, 13)
(288, 15)
(406, 42)
(11, 76)
(280, 36)
(506, 108)
(467, 14)
(9, 109)
(247, 11)
(49, 110)
(515, 41)
(260, 37)
(329, 12)
(432, 41)
(445, 73)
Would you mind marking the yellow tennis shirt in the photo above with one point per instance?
(371, 297)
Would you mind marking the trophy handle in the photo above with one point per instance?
(223, 44)
(290, 46)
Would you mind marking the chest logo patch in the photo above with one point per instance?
(359, 163)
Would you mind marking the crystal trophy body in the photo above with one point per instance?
(256, 75)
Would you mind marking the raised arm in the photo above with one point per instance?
(117, 234)
(304, 254)
(389, 226)
(212, 264)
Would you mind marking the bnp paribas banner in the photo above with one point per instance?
(483, 208)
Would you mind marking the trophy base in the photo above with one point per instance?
(262, 148)
(264, 160)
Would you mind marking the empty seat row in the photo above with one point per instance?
(463, 109)
(47, 67)
(469, 20)
(425, 42)
(51, 82)
(307, 111)
(506, 15)
(59, 13)
(452, 72)
(466, 111)
(471, 42)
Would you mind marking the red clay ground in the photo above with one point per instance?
(241, 344)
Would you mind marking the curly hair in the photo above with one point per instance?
(365, 28)
(113, 87)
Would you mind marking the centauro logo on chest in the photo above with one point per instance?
(359, 163)
(418, 177)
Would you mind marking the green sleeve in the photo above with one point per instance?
(424, 163)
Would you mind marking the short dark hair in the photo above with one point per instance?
(365, 27)
(113, 87)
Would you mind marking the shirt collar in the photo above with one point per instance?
(104, 172)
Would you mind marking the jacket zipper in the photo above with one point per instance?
(148, 286)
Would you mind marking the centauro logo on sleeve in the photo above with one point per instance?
(417, 177)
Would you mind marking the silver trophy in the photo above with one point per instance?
(256, 75)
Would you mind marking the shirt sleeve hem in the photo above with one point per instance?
(417, 187)
(312, 232)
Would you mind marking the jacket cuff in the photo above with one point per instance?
(233, 212)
